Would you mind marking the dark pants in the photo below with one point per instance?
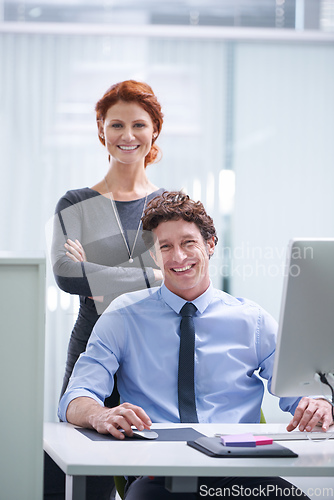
(145, 488)
(98, 487)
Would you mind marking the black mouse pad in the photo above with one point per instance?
(213, 447)
(177, 434)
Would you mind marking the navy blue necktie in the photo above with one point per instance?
(186, 389)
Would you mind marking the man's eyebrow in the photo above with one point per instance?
(161, 242)
(189, 236)
(183, 237)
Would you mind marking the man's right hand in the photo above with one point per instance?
(121, 417)
(86, 412)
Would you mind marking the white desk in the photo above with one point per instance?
(78, 457)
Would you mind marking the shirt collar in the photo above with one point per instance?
(176, 302)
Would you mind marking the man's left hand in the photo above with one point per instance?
(311, 412)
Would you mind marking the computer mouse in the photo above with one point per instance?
(145, 434)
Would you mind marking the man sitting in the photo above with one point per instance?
(139, 338)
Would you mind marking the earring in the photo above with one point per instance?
(155, 135)
(102, 136)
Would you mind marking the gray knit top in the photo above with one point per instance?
(86, 215)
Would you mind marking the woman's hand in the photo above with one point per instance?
(75, 251)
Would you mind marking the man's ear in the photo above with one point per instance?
(154, 257)
(211, 246)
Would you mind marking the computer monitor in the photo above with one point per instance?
(305, 342)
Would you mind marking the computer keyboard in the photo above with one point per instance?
(295, 435)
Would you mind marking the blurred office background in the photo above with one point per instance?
(247, 89)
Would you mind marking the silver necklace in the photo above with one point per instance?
(113, 204)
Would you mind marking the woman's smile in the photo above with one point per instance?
(128, 148)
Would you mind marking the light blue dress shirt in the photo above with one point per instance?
(138, 336)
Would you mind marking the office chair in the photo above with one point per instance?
(120, 483)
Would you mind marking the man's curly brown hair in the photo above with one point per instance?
(175, 205)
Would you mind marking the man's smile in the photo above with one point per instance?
(182, 269)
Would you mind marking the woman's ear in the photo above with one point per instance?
(100, 128)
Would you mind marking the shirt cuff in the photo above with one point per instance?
(69, 396)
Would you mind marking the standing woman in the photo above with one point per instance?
(97, 249)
